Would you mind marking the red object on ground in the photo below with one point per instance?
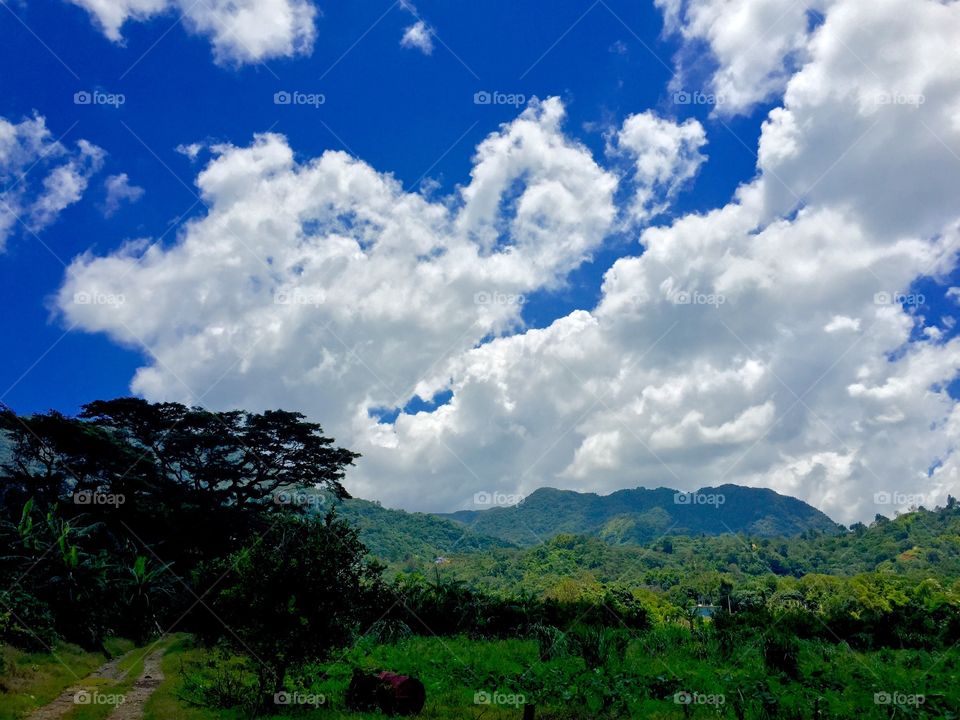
(407, 695)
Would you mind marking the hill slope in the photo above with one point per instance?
(397, 536)
(920, 545)
(640, 515)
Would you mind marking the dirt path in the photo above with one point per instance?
(58, 708)
(108, 674)
(137, 696)
(64, 703)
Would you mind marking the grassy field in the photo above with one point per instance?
(427, 659)
(643, 681)
(31, 680)
(832, 681)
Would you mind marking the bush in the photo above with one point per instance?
(388, 632)
(551, 641)
(26, 622)
(296, 594)
(221, 681)
(781, 653)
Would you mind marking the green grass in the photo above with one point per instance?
(165, 703)
(657, 665)
(840, 682)
(130, 667)
(417, 656)
(451, 669)
(30, 680)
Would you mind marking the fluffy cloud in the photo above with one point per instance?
(664, 155)
(862, 128)
(241, 31)
(41, 176)
(755, 44)
(119, 191)
(418, 36)
(328, 281)
(189, 150)
(756, 343)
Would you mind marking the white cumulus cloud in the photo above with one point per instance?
(240, 31)
(665, 155)
(119, 191)
(39, 175)
(756, 45)
(418, 36)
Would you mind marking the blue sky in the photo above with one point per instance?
(843, 175)
(401, 111)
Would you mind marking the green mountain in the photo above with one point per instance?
(627, 517)
(918, 545)
(400, 537)
(641, 515)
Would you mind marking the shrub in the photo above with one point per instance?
(781, 653)
(296, 594)
(26, 622)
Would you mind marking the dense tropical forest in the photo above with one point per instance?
(163, 561)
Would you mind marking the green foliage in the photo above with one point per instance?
(30, 679)
(31, 626)
(408, 540)
(597, 646)
(103, 517)
(389, 632)
(781, 652)
(909, 550)
(220, 681)
(641, 515)
(278, 600)
(833, 681)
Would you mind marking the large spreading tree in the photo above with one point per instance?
(108, 518)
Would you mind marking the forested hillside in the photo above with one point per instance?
(640, 515)
(920, 544)
(398, 536)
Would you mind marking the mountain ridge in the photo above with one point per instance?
(637, 515)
